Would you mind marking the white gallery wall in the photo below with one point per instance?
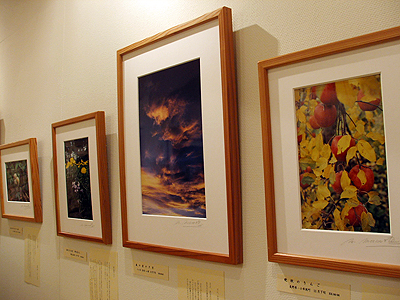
(58, 60)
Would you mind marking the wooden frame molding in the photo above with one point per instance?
(230, 132)
(324, 51)
(35, 197)
(102, 204)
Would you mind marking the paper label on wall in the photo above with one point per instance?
(373, 292)
(103, 278)
(75, 254)
(32, 256)
(313, 288)
(13, 230)
(200, 284)
(151, 270)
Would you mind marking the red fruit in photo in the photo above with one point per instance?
(334, 147)
(337, 187)
(299, 136)
(370, 106)
(313, 122)
(369, 174)
(360, 95)
(328, 95)
(313, 94)
(303, 185)
(354, 215)
(367, 106)
(325, 115)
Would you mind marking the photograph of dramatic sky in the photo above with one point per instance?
(171, 144)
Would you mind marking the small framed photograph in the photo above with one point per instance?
(81, 178)
(20, 184)
(330, 137)
(178, 142)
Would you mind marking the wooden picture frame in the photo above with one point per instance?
(279, 77)
(81, 178)
(202, 50)
(20, 182)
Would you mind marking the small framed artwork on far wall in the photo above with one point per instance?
(19, 181)
(81, 178)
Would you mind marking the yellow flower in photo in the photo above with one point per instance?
(70, 163)
(83, 170)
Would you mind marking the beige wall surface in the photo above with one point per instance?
(58, 60)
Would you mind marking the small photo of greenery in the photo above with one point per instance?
(17, 181)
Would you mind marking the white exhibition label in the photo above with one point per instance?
(151, 270)
(13, 230)
(75, 254)
(313, 288)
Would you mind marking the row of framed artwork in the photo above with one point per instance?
(329, 151)
(81, 184)
(179, 157)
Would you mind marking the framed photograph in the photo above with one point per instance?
(178, 142)
(19, 181)
(330, 138)
(81, 178)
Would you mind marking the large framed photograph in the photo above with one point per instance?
(330, 138)
(178, 142)
(19, 181)
(81, 178)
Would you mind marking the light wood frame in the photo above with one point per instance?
(35, 205)
(325, 51)
(99, 180)
(230, 138)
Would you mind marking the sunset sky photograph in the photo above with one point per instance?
(171, 143)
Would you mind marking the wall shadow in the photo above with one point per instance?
(252, 44)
